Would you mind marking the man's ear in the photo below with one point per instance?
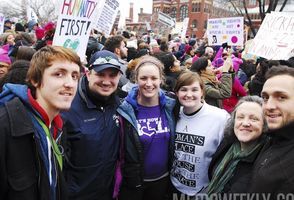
(88, 73)
(36, 85)
(117, 51)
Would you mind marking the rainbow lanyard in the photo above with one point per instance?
(55, 148)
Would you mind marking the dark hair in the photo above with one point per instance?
(184, 79)
(279, 70)
(248, 68)
(132, 52)
(113, 42)
(19, 27)
(126, 34)
(199, 65)
(142, 52)
(16, 74)
(163, 45)
(256, 84)
(167, 59)
(25, 53)
(229, 129)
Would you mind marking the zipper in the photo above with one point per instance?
(104, 118)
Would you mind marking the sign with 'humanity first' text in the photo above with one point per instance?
(75, 21)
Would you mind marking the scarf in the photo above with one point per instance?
(225, 170)
(209, 77)
(41, 124)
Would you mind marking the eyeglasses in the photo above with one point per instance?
(106, 60)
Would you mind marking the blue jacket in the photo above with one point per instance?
(133, 169)
(91, 142)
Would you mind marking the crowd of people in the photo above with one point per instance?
(143, 117)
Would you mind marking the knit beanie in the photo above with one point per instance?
(39, 33)
(5, 60)
(236, 63)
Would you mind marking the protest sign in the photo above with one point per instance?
(2, 18)
(75, 21)
(107, 17)
(184, 27)
(31, 15)
(166, 19)
(245, 54)
(275, 37)
(226, 30)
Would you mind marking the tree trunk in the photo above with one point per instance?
(249, 19)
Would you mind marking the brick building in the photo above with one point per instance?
(198, 12)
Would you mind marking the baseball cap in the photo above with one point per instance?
(103, 60)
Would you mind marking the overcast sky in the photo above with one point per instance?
(145, 4)
(124, 4)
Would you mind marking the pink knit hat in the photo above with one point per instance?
(4, 58)
(39, 33)
(236, 63)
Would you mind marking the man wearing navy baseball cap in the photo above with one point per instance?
(92, 139)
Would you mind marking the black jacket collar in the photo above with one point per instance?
(16, 113)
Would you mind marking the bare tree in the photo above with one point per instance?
(44, 9)
(265, 6)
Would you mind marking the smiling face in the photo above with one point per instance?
(248, 123)
(149, 80)
(58, 87)
(278, 97)
(104, 82)
(3, 69)
(190, 97)
(209, 69)
(10, 39)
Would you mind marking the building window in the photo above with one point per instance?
(194, 23)
(166, 10)
(196, 7)
(183, 12)
(206, 8)
(173, 13)
(205, 24)
(156, 10)
(252, 2)
(193, 7)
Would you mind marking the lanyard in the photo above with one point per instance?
(56, 150)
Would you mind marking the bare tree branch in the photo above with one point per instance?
(248, 18)
(283, 5)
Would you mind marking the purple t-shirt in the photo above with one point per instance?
(154, 135)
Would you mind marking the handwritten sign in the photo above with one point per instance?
(31, 15)
(2, 18)
(275, 37)
(226, 30)
(107, 16)
(184, 27)
(74, 24)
